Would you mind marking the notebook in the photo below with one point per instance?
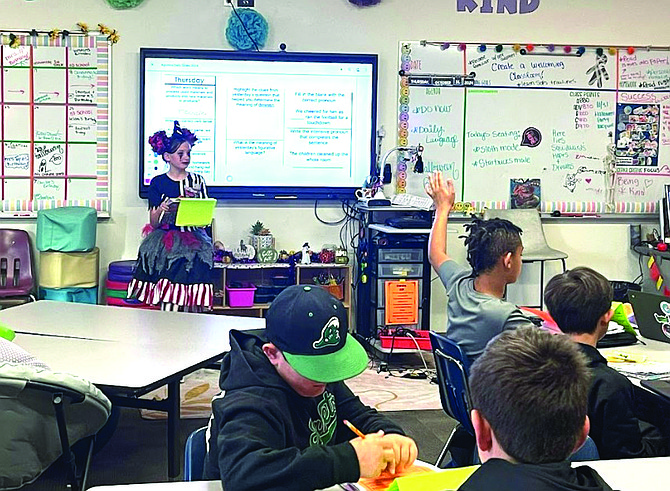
(652, 314)
(195, 212)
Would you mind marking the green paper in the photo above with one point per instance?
(7, 333)
(445, 480)
(195, 212)
(620, 318)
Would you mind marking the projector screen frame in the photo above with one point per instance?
(261, 193)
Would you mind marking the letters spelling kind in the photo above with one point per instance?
(511, 6)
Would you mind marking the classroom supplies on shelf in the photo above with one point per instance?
(69, 269)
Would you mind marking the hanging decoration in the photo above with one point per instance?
(247, 29)
(83, 26)
(124, 4)
(364, 3)
(112, 34)
(14, 41)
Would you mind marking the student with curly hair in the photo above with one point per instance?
(476, 309)
(174, 265)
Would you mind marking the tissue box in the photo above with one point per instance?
(67, 229)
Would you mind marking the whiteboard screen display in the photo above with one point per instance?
(269, 125)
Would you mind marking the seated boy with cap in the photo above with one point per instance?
(279, 424)
(529, 393)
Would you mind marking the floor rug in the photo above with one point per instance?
(381, 390)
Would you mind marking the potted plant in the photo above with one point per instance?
(261, 238)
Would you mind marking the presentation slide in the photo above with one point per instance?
(262, 123)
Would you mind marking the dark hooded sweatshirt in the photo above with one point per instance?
(501, 475)
(264, 436)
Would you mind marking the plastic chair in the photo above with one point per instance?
(43, 414)
(17, 281)
(588, 451)
(535, 247)
(452, 376)
(194, 455)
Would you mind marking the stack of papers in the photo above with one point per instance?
(643, 371)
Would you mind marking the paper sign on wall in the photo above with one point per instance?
(401, 302)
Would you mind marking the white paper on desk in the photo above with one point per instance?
(644, 371)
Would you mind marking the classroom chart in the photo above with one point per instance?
(585, 131)
(54, 131)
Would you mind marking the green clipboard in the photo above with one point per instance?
(195, 212)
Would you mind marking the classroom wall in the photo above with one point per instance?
(335, 26)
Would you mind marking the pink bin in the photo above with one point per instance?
(241, 297)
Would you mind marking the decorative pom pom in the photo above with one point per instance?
(581, 50)
(568, 49)
(516, 48)
(499, 48)
(256, 26)
(482, 48)
(462, 46)
(444, 46)
(631, 50)
(530, 47)
(124, 4)
(551, 48)
(612, 51)
(364, 3)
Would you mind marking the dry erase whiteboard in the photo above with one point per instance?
(470, 109)
(54, 120)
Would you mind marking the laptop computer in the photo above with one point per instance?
(195, 212)
(652, 314)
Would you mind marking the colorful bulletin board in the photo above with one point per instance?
(54, 124)
(574, 129)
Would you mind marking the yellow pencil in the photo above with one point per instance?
(353, 428)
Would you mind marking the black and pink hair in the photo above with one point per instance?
(161, 143)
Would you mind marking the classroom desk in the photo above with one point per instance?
(654, 350)
(126, 352)
(623, 475)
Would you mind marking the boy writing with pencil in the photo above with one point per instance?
(279, 424)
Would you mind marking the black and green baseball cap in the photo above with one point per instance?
(310, 327)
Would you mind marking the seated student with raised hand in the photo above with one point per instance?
(476, 311)
(279, 424)
(580, 302)
(529, 396)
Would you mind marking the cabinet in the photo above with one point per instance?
(385, 254)
(270, 279)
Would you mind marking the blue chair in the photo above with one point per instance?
(453, 367)
(588, 451)
(194, 455)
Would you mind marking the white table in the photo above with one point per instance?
(654, 350)
(126, 352)
(623, 475)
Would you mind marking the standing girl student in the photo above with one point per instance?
(174, 264)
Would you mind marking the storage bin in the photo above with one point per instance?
(336, 291)
(241, 297)
(116, 285)
(66, 229)
(400, 255)
(406, 342)
(407, 270)
(280, 280)
(69, 269)
(267, 298)
(75, 295)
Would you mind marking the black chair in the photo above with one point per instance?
(453, 367)
(44, 414)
